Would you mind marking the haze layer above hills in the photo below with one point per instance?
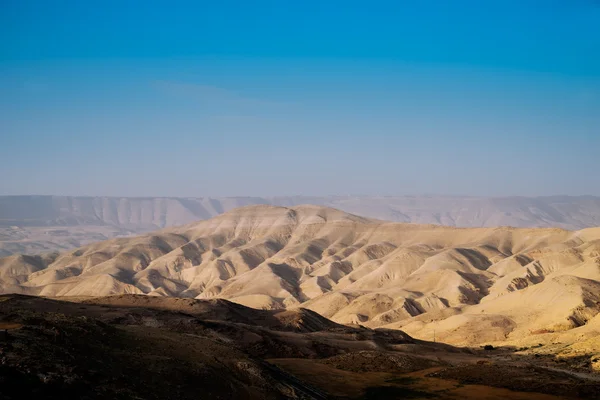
(469, 285)
(36, 224)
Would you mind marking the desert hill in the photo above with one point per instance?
(37, 224)
(469, 285)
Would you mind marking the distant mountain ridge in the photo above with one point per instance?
(147, 213)
(40, 224)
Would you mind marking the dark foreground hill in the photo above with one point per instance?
(139, 347)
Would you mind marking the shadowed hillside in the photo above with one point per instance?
(132, 347)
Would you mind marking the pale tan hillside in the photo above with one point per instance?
(470, 285)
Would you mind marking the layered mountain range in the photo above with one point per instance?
(463, 285)
(568, 212)
(38, 224)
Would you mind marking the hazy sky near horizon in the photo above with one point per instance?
(218, 98)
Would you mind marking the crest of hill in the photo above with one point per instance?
(298, 320)
(302, 214)
(158, 212)
(38, 224)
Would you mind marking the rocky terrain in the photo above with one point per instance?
(144, 347)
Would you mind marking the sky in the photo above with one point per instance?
(262, 98)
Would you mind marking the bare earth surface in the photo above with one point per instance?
(132, 347)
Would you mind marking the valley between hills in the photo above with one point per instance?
(312, 297)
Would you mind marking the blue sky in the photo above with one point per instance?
(202, 98)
